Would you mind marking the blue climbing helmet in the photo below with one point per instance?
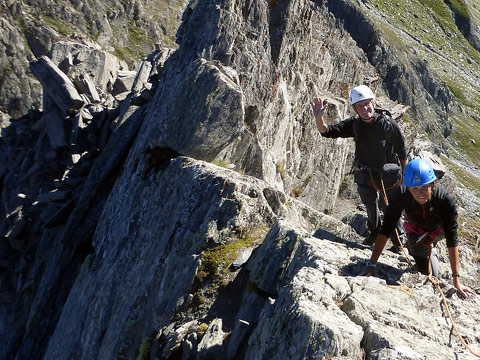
(418, 172)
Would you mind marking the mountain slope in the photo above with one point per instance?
(29, 29)
(144, 248)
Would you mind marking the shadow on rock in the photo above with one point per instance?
(386, 272)
(327, 235)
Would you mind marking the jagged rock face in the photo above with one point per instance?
(337, 302)
(255, 83)
(30, 29)
(154, 254)
(204, 207)
(307, 301)
(16, 96)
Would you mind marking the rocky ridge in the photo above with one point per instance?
(124, 240)
(29, 29)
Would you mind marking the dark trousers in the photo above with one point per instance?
(375, 203)
(420, 254)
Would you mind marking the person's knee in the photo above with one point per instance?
(423, 269)
(416, 250)
(422, 264)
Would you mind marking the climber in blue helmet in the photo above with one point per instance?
(430, 215)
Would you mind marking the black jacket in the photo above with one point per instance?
(376, 143)
(440, 210)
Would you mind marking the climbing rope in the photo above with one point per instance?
(385, 199)
(428, 241)
(436, 284)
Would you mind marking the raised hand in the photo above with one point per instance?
(318, 106)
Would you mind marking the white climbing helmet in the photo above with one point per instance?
(360, 93)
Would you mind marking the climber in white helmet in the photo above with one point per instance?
(379, 145)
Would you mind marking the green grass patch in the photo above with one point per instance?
(407, 117)
(404, 49)
(138, 44)
(145, 349)
(464, 92)
(459, 8)
(438, 42)
(456, 41)
(170, 22)
(463, 176)
(63, 27)
(216, 260)
(123, 53)
(466, 139)
(213, 272)
(430, 21)
(458, 92)
(137, 35)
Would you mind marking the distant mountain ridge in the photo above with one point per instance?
(128, 29)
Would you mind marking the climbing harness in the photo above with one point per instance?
(427, 239)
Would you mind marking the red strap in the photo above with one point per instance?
(414, 229)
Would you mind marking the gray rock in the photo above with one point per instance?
(56, 85)
(141, 77)
(14, 232)
(88, 58)
(211, 345)
(56, 128)
(304, 324)
(156, 194)
(124, 81)
(86, 86)
(53, 195)
(182, 337)
(245, 322)
(243, 256)
(272, 259)
(201, 136)
(4, 121)
(126, 110)
(189, 347)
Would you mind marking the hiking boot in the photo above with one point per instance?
(370, 239)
